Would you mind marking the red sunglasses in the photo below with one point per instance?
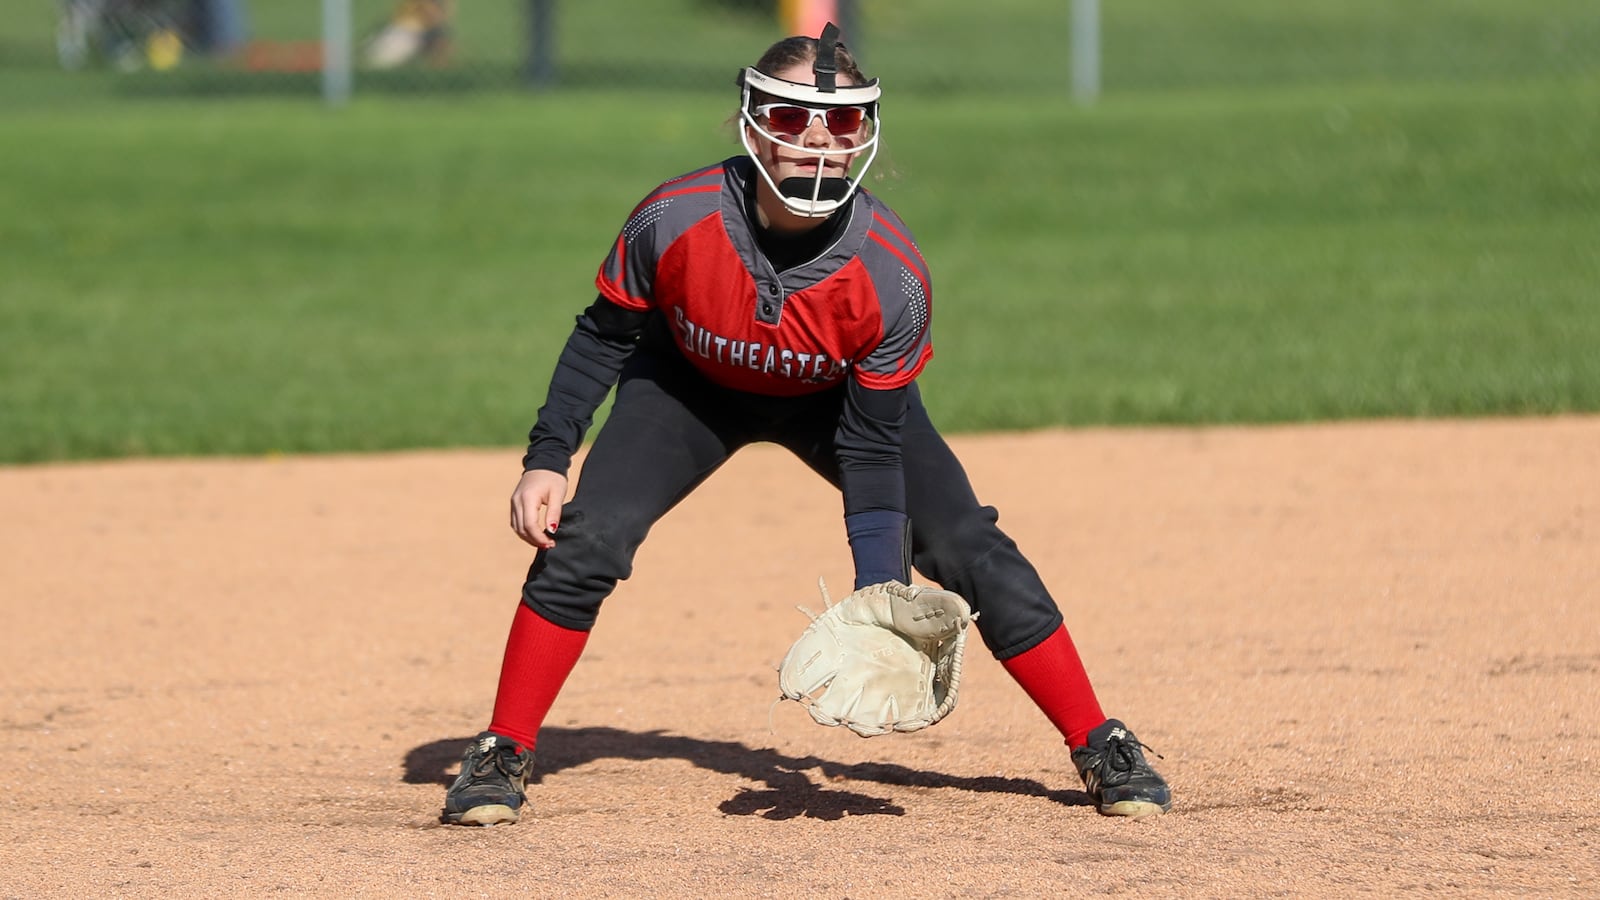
(786, 118)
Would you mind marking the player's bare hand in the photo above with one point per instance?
(536, 507)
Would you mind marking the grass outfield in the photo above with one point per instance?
(257, 275)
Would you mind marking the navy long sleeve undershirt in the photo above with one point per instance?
(601, 342)
(873, 483)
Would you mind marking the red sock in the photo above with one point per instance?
(539, 656)
(1053, 675)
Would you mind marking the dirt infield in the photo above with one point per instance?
(1368, 653)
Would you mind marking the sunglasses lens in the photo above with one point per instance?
(843, 120)
(788, 119)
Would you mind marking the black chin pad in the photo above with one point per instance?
(800, 188)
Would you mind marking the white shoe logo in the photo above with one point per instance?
(487, 744)
(1119, 734)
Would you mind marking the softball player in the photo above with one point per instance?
(768, 298)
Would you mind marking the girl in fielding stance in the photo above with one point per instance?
(768, 298)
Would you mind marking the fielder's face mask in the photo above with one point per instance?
(843, 110)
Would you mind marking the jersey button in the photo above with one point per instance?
(766, 309)
(772, 289)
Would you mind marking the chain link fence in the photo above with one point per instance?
(62, 49)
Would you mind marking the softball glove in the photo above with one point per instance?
(886, 658)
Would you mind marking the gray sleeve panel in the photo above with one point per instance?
(627, 277)
(905, 292)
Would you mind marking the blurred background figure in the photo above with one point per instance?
(218, 27)
(129, 34)
(417, 30)
(110, 31)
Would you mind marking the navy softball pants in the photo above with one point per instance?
(670, 429)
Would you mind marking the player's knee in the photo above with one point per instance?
(567, 583)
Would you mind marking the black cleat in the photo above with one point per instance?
(1117, 776)
(489, 790)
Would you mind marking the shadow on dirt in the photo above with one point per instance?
(789, 790)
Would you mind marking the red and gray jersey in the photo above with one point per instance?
(861, 307)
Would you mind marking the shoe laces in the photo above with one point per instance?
(502, 758)
(1123, 758)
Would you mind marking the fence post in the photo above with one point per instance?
(336, 50)
(850, 23)
(541, 68)
(1086, 51)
